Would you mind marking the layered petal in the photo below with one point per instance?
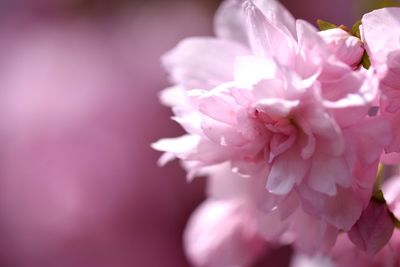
(380, 34)
(230, 22)
(346, 47)
(391, 192)
(192, 63)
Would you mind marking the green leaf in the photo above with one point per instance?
(376, 4)
(378, 196)
(396, 222)
(356, 29)
(366, 62)
(324, 25)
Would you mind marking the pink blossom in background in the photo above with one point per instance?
(223, 233)
(79, 182)
(274, 100)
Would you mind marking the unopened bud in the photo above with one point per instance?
(347, 47)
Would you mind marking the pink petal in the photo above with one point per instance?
(250, 70)
(310, 40)
(341, 210)
(189, 120)
(271, 226)
(280, 143)
(247, 168)
(192, 62)
(209, 153)
(288, 205)
(345, 46)
(326, 172)
(278, 15)
(287, 169)
(230, 22)
(219, 108)
(366, 93)
(390, 158)
(222, 234)
(175, 147)
(344, 209)
(304, 260)
(338, 88)
(267, 39)
(273, 88)
(222, 134)
(224, 184)
(173, 96)
(312, 235)
(327, 132)
(394, 145)
(307, 140)
(370, 136)
(374, 228)
(380, 33)
(391, 192)
(390, 83)
(276, 107)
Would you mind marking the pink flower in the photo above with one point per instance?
(271, 98)
(382, 42)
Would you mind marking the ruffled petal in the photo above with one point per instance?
(219, 108)
(278, 15)
(374, 24)
(267, 39)
(326, 172)
(287, 170)
(230, 22)
(192, 62)
(176, 147)
(222, 134)
(391, 192)
(390, 84)
(341, 210)
(312, 234)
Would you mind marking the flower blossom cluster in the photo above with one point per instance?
(290, 124)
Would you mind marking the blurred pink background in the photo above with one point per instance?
(79, 184)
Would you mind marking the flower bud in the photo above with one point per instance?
(347, 47)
